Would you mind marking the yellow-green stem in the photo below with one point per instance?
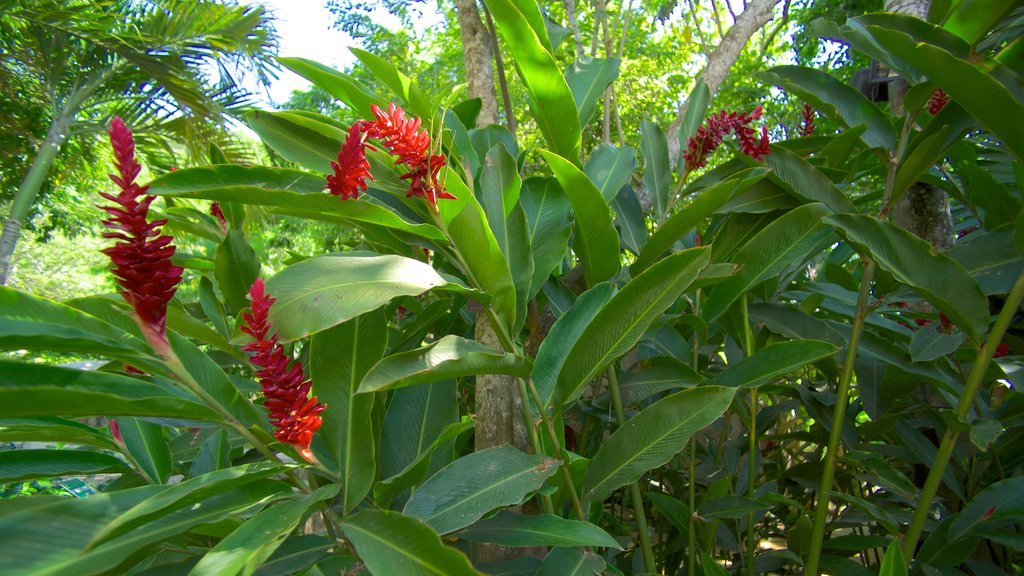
(691, 566)
(974, 380)
(748, 351)
(553, 437)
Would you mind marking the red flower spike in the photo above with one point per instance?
(352, 168)
(142, 257)
(115, 431)
(293, 412)
(938, 101)
(217, 213)
(808, 126)
(403, 138)
(709, 137)
(1002, 350)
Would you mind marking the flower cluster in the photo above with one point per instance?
(403, 138)
(709, 137)
(142, 256)
(218, 213)
(807, 129)
(937, 101)
(293, 412)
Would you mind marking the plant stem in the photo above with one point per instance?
(748, 351)
(691, 564)
(634, 488)
(531, 429)
(838, 415)
(949, 438)
(553, 437)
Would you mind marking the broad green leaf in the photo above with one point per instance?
(783, 243)
(549, 216)
(587, 79)
(214, 454)
(798, 177)
(341, 86)
(893, 563)
(463, 491)
(202, 178)
(338, 359)
(931, 146)
(998, 502)
(287, 134)
(146, 443)
(325, 291)
(487, 137)
(657, 170)
(656, 375)
(237, 267)
(763, 197)
(629, 216)
(837, 99)
(710, 567)
(26, 464)
(618, 326)
(249, 545)
(391, 543)
(182, 322)
(972, 19)
(914, 262)
(928, 344)
(998, 205)
(773, 361)
(41, 390)
(296, 554)
(696, 109)
(416, 102)
(436, 455)
(837, 153)
(449, 357)
(596, 242)
(794, 323)
(571, 562)
(415, 418)
(215, 382)
(552, 102)
(610, 168)
(54, 429)
(691, 215)
(483, 256)
(500, 182)
(564, 334)
(517, 530)
(651, 438)
(536, 18)
(718, 507)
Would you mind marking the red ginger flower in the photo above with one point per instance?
(352, 169)
(938, 101)
(218, 213)
(293, 412)
(808, 126)
(709, 137)
(142, 257)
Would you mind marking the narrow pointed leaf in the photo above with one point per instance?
(773, 361)
(435, 455)
(696, 110)
(214, 454)
(475, 239)
(549, 217)
(202, 178)
(146, 443)
(610, 168)
(237, 267)
(798, 177)
(517, 530)
(341, 86)
(571, 562)
(657, 171)
(27, 464)
(731, 506)
(928, 344)
(629, 217)
(416, 102)
(587, 79)
(391, 543)
(54, 429)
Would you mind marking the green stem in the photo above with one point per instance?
(748, 351)
(634, 488)
(974, 380)
(531, 429)
(691, 566)
(553, 437)
(838, 415)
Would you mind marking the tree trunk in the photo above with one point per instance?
(476, 53)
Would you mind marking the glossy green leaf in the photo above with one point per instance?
(325, 291)
(182, 322)
(914, 262)
(449, 357)
(341, 86)
(416, 102)
(201, 178)
(656, 375)
(296, 554)
(596, 243)
(732, 506)
(146, 443)
(463, 491)
(651, 438)
(706, 203)
(928, 344)
(291, 138)
(237, 267)
(415, 418)
(930, 146)
(486, 262)
(26, 464)
(783, 243)
(800, 178)
(54, 429)
(630, 219)
(549, 216)
(837, 99)
(551, 101)
(998, 502)
(618, 326)
(972, 19)
(587, 79)
(998, 205)
(571, 562)
(610, 168)
(773, 361)
(696, 110)
(436, 454)
(215, 382)
(391, 543)
(893, 563)
(339, 358)
(249, 545)
(517, 530)
(213, 455)
(657, 170)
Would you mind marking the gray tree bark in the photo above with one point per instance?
(476, 53)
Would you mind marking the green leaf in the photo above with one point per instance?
(998, 205)
(214, 454)
(783, 243)
(549, 216)
(54, 429)
(463, 491)
(656, 375)
(596, 242)
(914, 262)
(215, 382)
(22, 465)
(390, 543)
(252, 543)
(341, 86)
(618, 326)
(651, 438)
(433, 457)
(517, 530)
(928, 344)
(202, 178)
(706, 203)
(41, 390)
(893, 563)
(339, 358)
(991, 259)
(571, 562)
(629, 216)
(587, 79)
(718, 507)
(657, 170)
(146, 443)
(930, 146)
(449, 357)
(552, 102)
(773, 361)
(610, 168)
(486, 262)
(998, 502)
(710, 567)
(416, 102)
(798, 177)
(237, 267)
(293, 139)
(837, 99)
(296, 554)
(325, 291)
(415, 418)
(696, 109)
(972, 19)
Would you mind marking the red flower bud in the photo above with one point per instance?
(808, 127)
(937, 101)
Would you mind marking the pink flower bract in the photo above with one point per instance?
(807, 129)
(937, 101)
(717, 126)
(352, 169)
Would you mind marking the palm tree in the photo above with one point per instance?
(166, 66)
